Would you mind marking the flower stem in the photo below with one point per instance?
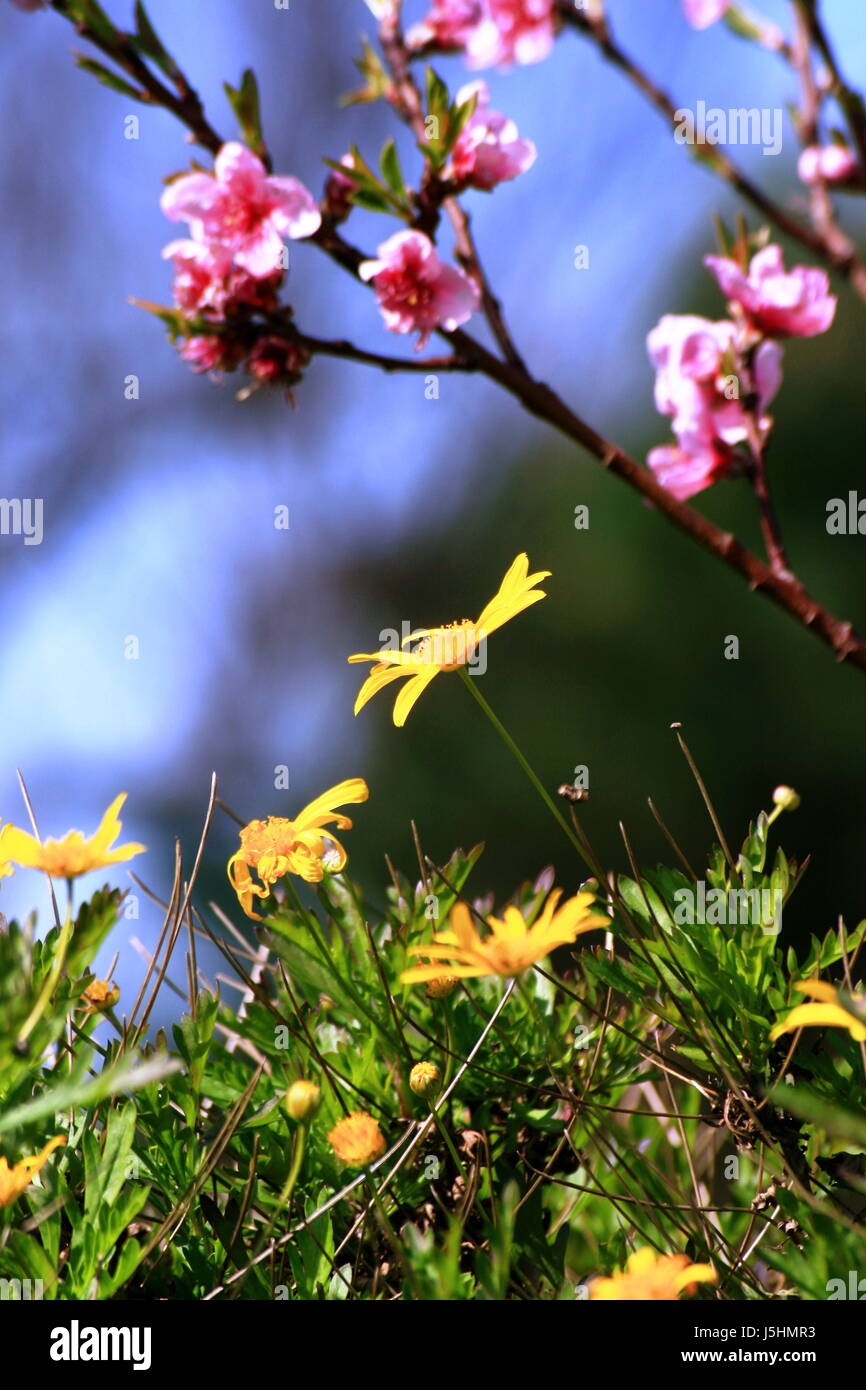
(512, 747)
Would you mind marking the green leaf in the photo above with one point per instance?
(391, 172)
(127, 1075)
(244, 101)
(148, 42)
(806, 1105)
(108, 78)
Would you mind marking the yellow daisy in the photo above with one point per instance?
(357, 1139)
(512, 946)
(14, 1180)
(829, 1012)
(650, 1277)
(73, 855)
(99, 996)
(275, 847)
(426, 652)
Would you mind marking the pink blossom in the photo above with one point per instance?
(700, 384)
(204, 353)
(339, 190)
(416, 292)
(780, 304)
(488, 149)
(448, 24)
(511, 31)
(208, 282)
(683, 473)
(702, 13)
(242, 209)
(276, 361)
(832, 163)
(29, 5)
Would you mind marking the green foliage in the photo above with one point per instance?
(604, 1102)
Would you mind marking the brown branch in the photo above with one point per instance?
(836, 249)
(850, 101)
(406, 100)
(539, 400)
(339, 347)
(185, 103)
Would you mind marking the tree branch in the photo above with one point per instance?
(836, 249)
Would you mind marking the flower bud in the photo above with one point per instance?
(439, 988)
(424, 1078)
(302, 1100)
(99, 996)
(786, 799)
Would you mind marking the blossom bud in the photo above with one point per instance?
(786, 799)
(424, 1078)
(302, 1100)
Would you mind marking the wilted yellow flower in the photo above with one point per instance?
(651, 1277)
(829, 1012)
(302, 1100)
(14, 1180)
(276, 846)
(99, 996)
(357, 1139)
(512, 946)
(424, 1078)
(435, 649)
(73, 855)
(441, 986)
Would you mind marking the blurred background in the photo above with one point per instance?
(159, 512)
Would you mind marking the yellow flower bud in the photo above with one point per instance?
(302, 1100)
(438, 989)
(424, 1078)
(786, 799)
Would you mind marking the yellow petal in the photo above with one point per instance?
(410, 693)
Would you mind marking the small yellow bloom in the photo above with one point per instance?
(446, 648)
(276, 846)
(512, 947)
(829, 1012)
(302, 1100)
(99, 996)
(73, 855)
(651, 1277)
(424, 1078)
(441, 987)
(357, 1139)
(14, 1180)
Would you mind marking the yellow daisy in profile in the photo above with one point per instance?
(99, 996)
(275, 847)
(512, 946)
(74, 854)
(13, 1181)
(357, 1139)
(829, 1012)
(426, 652)
(649, 1277)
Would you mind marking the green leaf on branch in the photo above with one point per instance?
(391, 172)
(245, 102)
(108, 78)
(147, 42)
